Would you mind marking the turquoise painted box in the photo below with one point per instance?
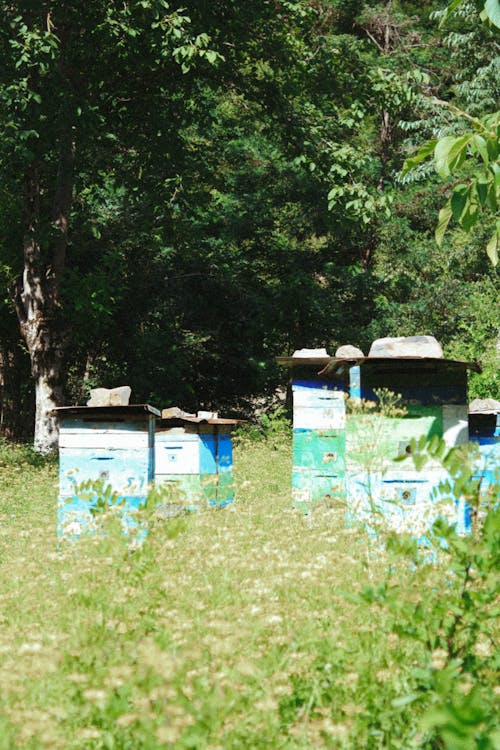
(344, 450)
(194, 459)
(106, 457)
(484, 430)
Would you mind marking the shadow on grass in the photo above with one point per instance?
(14, 454)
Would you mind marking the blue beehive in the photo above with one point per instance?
(484, 430)
(194, 458)
(99, 448)
(342, 451)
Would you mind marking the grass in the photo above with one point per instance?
(240, 628)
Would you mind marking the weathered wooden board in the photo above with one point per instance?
(127, 471)
(75, 516)
(195, 462)
(103, 450)
(310, 487)
(485, 432)
(319, 449)
(404, 503)
(104, 439)
(224, 453)
(374, 441)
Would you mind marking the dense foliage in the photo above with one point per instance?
(194, 188)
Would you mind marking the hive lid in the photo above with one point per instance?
(330, 365)
(484, 406)
(174, 414)
(95, 411)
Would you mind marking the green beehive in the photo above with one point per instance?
(345, 440)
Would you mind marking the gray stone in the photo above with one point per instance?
(310, 353)
(407, 346)
(208, 415)
(99, 397)
(484, 406)
(120, 396)
(349, 352)
(173, 412)
(110, 396)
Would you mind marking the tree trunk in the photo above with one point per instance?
(15, 399)
(37, 296)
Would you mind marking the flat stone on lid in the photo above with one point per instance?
(348, 352)
(407, 346)
(310, 353)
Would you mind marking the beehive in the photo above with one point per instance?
(194, 459)
(100, 448)
(484, 429)
(342, 450)
(319, 462)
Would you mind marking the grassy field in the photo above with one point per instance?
(248, 627)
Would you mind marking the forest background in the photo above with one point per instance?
(190, 189)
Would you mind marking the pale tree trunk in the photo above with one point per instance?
(38, 299)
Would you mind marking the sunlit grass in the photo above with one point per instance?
(233, 628)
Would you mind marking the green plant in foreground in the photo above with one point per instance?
(233, 629)
(456, 622)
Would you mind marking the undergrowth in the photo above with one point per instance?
(248, 627)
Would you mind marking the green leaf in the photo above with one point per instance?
(425, 151)
(492, 247)
(444, 219)
(459, 200)
(491, 198)
(405, 700)
(492, 10)
(482, 186)
(449, 153)
(480, 145)
(469, 217)
(449, 10)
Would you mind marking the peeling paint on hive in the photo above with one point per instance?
(105, 454)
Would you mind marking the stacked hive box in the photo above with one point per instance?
(349, 452)
(194, 458)
(319, 462)
(100, 448)
(433, 397)
(484, 429)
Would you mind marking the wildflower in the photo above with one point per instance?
(383, 675)
(126, 720)
(72, 529)
(94, 695)
(351, 709)
(465, 686)
(439, 658)
(29, 648)
(77, 677)
(351, 679)
(167, 735)
(274, 619)
(482, 648)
